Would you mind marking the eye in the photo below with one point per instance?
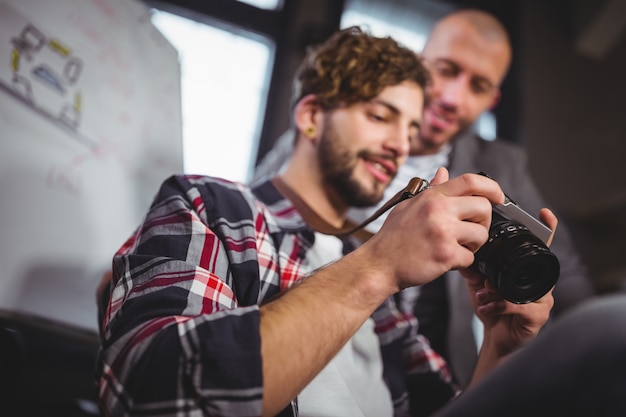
(377, 117)
(377, 113)
(481, 87)
(446, 70)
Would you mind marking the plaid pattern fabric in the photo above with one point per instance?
(180, 336)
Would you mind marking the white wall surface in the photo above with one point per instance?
(82, 157)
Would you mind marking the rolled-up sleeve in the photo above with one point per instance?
(181, 329)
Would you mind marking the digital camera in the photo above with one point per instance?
(515, 258)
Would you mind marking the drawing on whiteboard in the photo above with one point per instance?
(44, 70)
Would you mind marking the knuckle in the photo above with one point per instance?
(445, 254)
(435, 207)
(471, 180)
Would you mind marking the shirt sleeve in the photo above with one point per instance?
(418, 377)
(181, 329)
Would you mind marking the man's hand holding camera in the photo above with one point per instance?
(434, 232)
(507, 325)
(442, 229)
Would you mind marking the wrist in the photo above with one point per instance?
(366, 280)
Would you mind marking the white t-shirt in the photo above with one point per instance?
(351, 385)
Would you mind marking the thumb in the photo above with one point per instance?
(442, 175)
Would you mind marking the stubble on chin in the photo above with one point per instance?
(353, 191)
(340, 170)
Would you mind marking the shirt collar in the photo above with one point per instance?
(283, 214)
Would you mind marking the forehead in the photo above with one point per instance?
(466, 48)
(406, 98)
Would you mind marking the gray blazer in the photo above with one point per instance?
(506, 163)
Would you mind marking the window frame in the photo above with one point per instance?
(288, 27)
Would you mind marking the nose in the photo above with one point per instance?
(454, 92)
(399, 140)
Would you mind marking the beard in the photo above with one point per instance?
(432, 139)
(337, 164)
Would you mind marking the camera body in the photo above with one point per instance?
(515, 259)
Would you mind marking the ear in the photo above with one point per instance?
(496, 99)
(307, 114)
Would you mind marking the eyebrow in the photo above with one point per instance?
(415, 123)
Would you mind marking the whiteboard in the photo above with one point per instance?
(90, 125)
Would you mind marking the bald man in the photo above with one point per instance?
(468, 53)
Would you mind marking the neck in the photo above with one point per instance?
(307, 187)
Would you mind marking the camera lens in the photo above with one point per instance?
(516, 262)
(524, 279)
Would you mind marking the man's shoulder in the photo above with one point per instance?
(204, 184)
(496, 146)
(182, 182)
(498, 152)
(213, 196)
(501, 159)
(198, 181)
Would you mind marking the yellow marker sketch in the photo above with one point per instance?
(46, 74)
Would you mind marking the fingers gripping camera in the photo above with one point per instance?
(515, 259)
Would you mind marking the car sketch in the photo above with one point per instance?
(45, 74)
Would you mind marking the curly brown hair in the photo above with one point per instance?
(353, 66)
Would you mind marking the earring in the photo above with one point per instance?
(309, 131)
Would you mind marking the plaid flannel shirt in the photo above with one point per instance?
(180, 335)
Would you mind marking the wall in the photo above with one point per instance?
(90, 125)
(575, 125)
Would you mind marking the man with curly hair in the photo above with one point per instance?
(237, 301)
(468, 53)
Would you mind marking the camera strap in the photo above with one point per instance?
(415, 186)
